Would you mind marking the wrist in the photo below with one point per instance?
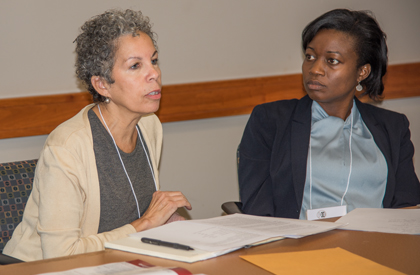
(141, 224)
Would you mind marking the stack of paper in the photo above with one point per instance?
(385, 220)
(218, 236)
(123, 268)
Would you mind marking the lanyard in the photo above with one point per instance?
(351, 164)
(122, 163)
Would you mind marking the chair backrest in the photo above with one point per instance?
(16, 179)
(232, 207)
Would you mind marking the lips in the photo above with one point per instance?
(156, 94)
(314, 85)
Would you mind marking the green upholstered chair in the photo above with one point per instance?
(16, 179)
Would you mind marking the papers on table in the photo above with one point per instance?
(400, 221)
(233, 231)
(134, 245)
(123, 268)
(217, 236)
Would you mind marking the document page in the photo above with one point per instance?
(201, 236)
(400, 221)
(232, 231)
(271, 226)
(123, 268)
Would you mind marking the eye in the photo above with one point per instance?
(333, 61)
(309, 57)
(135, 66)
(155, 61)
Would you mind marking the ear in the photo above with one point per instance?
(100, 85)
(364, 72)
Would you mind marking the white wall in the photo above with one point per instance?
(198, 41)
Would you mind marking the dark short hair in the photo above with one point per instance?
(370, 43)
(97, 44)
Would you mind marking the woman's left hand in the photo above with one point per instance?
(175, 217)
(161, 210)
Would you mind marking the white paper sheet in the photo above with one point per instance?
(400, 221)
(227, 232)
(121, 268)
(270, 226)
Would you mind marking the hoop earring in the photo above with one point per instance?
(359, 87)
(107, 100)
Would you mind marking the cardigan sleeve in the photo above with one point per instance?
(63, 189)
(255, 183)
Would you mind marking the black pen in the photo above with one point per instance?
(167, 244)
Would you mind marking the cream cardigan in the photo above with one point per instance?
(62, 213)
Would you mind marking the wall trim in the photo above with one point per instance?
(39, 115)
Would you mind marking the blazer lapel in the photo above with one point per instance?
(375, 129)
(381, 139)
(301, 131)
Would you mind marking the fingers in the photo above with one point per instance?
(167, 200)
(176, 197)
(175, 217)
(161, 209)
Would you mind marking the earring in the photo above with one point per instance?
(107, 100)
(359, 87)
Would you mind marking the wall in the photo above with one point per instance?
(198, 41)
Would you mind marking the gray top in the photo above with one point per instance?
(331, 164)
(118, 205)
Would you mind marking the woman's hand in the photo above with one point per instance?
(161, 210)
(175, 217)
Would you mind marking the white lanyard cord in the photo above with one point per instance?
(122, 163)
(310, 173)
(351, 164)
(351, 157)
(147, 156)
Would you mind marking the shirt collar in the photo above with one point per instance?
(318, 113)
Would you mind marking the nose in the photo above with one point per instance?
(154, 72)
(317, 67)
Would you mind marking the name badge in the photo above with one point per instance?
(327, 212)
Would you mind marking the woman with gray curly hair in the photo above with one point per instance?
(97, 177)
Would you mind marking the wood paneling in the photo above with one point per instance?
(225, 98)
(402, 81)
(39, 115)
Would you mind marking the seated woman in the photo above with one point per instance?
(328, 153)
(97, 177)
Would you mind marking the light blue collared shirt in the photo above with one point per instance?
(330, 155)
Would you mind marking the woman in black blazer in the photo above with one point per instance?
(328, 153)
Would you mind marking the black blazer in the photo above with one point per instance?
(274, 149)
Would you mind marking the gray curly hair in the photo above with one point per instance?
(97, 44)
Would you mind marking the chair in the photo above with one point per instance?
(232, 207)
(16, 179)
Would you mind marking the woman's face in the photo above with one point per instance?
(137, 86)
(330, 72)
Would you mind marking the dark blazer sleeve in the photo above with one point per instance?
(407, 187)
(264, 172)
(392, 135)
(255, 184)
